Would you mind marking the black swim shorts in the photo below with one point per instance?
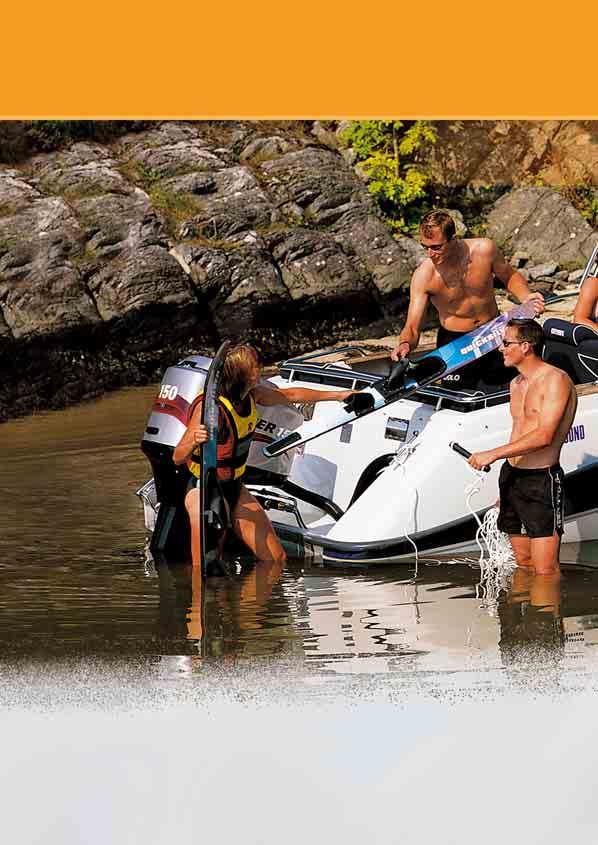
(531, 501)
(487, 371)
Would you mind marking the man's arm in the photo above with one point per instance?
(551, 411)
(269, 395)
(586, 303)
(418, 299)
(514, 282)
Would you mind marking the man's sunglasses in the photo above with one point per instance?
(434, 247)
(512, 342)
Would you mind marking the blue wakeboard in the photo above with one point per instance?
(212, 513)
(406, 377)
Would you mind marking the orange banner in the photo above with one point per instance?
(312, 59)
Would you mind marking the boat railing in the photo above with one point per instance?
(338, 350)
(461, 400)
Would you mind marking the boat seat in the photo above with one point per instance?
(573, 347)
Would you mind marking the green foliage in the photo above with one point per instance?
(175, 207)
(391, 154)
(584, 197)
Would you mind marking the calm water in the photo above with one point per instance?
(75, 582)
(396, 705)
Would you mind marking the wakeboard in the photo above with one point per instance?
(212, 512)
(406, 377)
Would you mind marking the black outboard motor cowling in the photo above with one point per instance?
(166, 425)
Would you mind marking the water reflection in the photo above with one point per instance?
(74, 580)
(373, 624)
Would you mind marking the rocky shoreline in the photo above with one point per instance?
(117, 259)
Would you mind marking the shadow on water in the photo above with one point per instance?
(75, 581)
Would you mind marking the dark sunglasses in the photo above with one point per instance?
(434, 247)
(512, 342)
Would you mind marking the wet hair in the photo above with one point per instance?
(438, 220)
(238, 371)
(530, 331)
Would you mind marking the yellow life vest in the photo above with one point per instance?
(243, 428)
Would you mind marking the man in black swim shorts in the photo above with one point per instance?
(531, 500)
(543, 405)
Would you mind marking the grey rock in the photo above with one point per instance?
(141, 276)
(575, 275)
(316, 180)
(185, 231)
(460, 227)
(326, 136)
(541, 222)
(316, 269)
(192, 183)
(236, 205)
(41, 288)
(262, 149)
(539, 270)
(519, 259)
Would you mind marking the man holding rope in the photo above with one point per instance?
(543, 405)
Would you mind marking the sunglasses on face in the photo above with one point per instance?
(434, 247)
(512, 342)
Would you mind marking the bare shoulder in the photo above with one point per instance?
(423, 275)
(590, 286)
(516, 384)
(482, 246)
(553, 378)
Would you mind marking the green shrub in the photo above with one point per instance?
(391, 154)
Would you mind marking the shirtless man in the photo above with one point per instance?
(457, 276)
(543, 404)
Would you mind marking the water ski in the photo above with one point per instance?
(407, 377)
(212, 515)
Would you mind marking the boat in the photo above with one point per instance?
(388, 486)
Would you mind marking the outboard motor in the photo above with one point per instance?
(168, 420)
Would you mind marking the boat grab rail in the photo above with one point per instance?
(332, 351)
(461, 396)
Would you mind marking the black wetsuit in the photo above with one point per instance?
(487, 371)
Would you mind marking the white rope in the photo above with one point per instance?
(398, 463)
(496, 560)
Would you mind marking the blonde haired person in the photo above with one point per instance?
(240, 393)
